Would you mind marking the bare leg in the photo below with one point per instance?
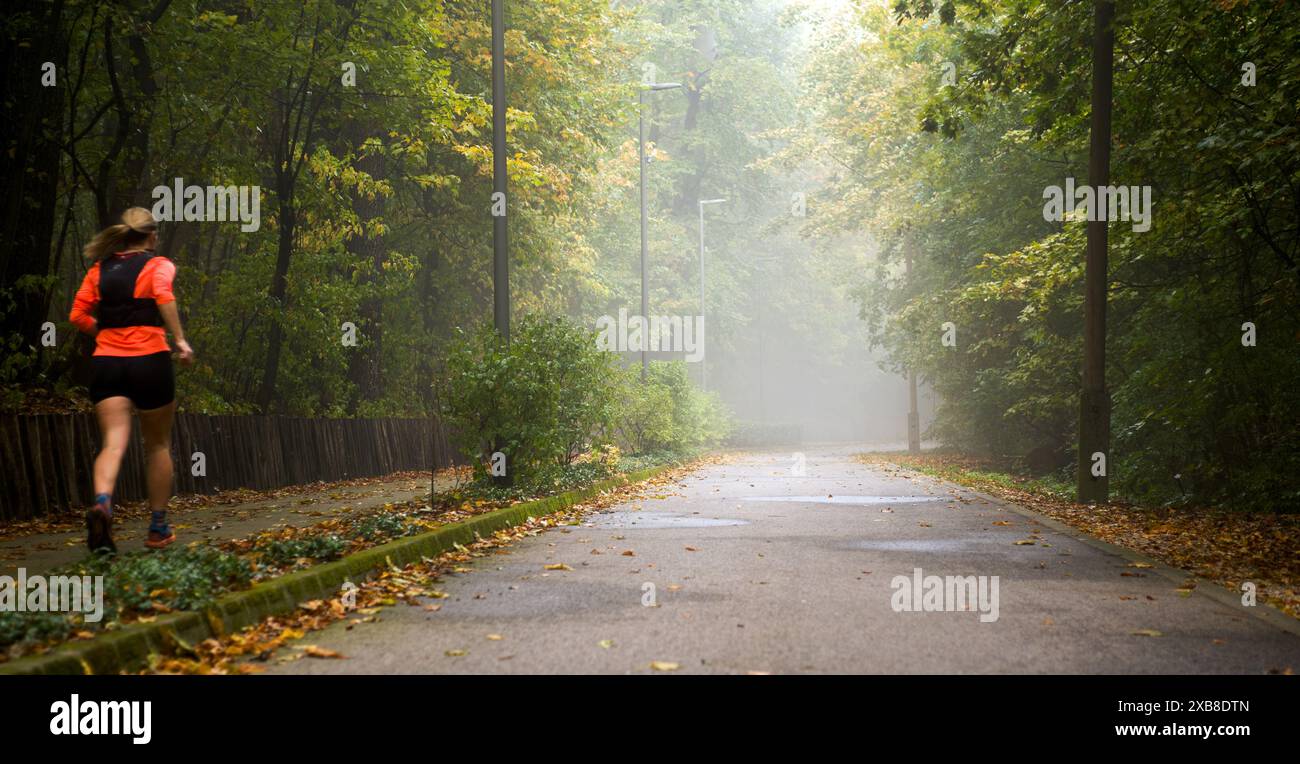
(156, 426)
(115, 430)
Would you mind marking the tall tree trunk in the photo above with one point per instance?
(1094, 402)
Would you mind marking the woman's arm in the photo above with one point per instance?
(161, 282)
(84, 303)
(172, 320)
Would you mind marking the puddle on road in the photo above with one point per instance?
(858, 500)
(661, 520)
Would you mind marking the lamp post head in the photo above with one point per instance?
(655, 86)
(711, 201)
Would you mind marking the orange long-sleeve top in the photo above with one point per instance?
(154, 281)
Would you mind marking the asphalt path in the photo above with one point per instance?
(775, 564)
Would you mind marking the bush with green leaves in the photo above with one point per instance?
(543, 399)
(645, 416)
(666, 413)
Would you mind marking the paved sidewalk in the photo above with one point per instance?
(41, 552)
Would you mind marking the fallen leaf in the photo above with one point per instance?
(664, 666)
(1146, 633)
(321, 652)
(558, 566)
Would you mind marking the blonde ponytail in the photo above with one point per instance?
(137, 226)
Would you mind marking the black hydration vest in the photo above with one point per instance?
(118, 305)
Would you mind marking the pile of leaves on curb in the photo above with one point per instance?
(1217, 544)
(255, 647)
(278, 551)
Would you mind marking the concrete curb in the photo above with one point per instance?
(131, 646)
(1204, 587)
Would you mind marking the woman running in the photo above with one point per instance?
(124, 303)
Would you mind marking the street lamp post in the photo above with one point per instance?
(704, 369)
(645, 295)
(500, 231)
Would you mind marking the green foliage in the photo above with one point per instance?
(542, 400)
(382, 527)
(373, 194)
(643, 461)
(185, 578)
(315, 547)
(552, 395)
(141, 583)
(645, 417)
(547, 480)
(27, 627)
(667, 413)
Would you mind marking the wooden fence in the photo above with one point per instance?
(46, 459)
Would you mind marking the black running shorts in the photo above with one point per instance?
(148, 380)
